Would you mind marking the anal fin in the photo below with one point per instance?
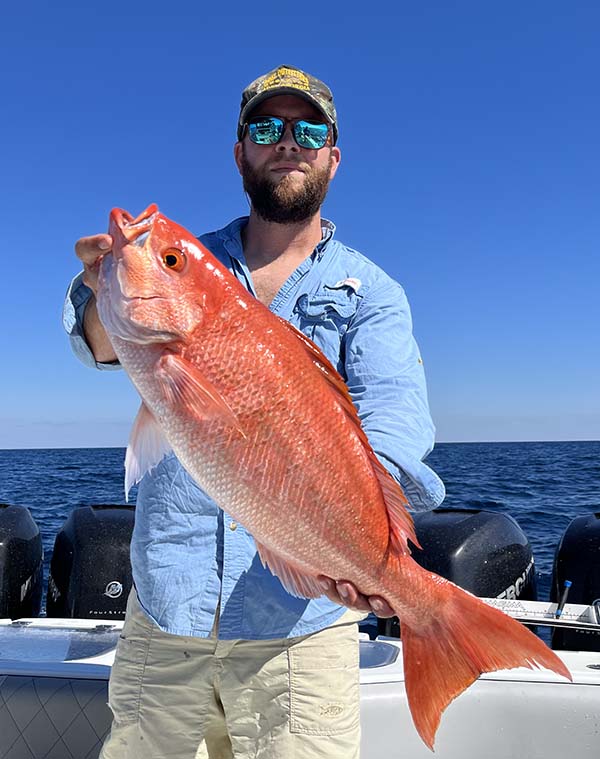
(293, 579)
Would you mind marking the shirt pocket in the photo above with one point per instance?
(324, 317)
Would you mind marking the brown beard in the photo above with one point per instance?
(283, 202)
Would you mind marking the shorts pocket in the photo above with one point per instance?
(324, 684)
(127, 674)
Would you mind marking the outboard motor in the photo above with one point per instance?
(485, 552)
(90, 571)
(577, 560)
(21, 563)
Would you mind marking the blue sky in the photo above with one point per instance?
(470, 172)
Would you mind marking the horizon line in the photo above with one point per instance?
(438, 442)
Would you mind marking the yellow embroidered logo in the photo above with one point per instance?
(285, 77)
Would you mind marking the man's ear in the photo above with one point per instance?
(336, 157)
(237, 155)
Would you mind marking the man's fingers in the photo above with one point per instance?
(381, 607)
(90, 249)
(330, 590)
(346, 594)
(351, 597)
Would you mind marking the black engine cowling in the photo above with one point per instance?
(577, 560)
(21, 563)
(90, 571)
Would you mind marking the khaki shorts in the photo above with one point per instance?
(176, 697)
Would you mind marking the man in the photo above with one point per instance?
(216, 658)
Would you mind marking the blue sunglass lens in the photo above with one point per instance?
(265, 131)
(310, 135)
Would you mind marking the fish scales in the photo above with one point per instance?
(278, 445)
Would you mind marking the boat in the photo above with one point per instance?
(54, 669)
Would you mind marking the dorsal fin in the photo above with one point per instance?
(401, 523)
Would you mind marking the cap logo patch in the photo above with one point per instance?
(285, 77)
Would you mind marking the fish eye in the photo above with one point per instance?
(173, 259)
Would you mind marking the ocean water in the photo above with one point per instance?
(542, 485)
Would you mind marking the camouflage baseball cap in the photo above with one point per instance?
(288, 80)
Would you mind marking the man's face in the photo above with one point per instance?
(286, 183)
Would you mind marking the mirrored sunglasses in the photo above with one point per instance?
(268, 130)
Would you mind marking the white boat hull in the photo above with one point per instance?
(53, 691)
(512, 714)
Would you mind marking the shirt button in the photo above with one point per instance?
(233, 526)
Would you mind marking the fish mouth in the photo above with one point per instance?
(124, 226)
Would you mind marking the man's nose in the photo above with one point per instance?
(287, 140)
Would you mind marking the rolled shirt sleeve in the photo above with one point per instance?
(387, 383)
(76, 300)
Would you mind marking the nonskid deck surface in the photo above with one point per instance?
(54, 674)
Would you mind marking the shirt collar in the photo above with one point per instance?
(232, 237)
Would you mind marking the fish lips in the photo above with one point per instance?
(125, 230)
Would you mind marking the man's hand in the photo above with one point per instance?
(345, 593)
(90, 251)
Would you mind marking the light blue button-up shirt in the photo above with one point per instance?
(189, 558)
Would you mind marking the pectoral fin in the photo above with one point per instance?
(185, 387)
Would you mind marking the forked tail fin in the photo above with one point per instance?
(465, 638)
